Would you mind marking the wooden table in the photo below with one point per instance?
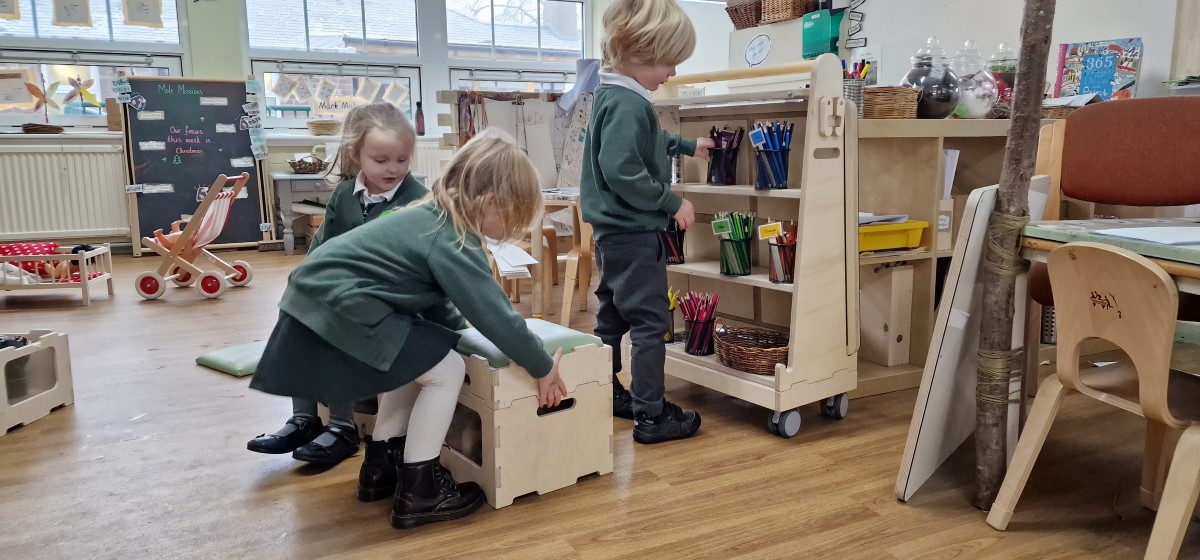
(1182, 262)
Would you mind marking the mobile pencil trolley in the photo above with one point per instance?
(810, 354)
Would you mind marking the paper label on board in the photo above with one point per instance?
(133, 188)
(158, 188)
(221, 127)
(123, 98)
(943, 222)
(214, 101)
(151, 116)
(722, 226)
(242, 162)
(770, 231)
(856, 43)
(152, 146)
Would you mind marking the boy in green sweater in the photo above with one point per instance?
(626, 196)
(376, 149)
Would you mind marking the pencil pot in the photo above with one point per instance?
(735, 257)
(699, 337)
(772, 166)
(669, 336)
(672, 241)
(722, 166)
(783, 261)
(853, 91)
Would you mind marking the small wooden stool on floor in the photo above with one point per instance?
(501, 440)
(37, 379)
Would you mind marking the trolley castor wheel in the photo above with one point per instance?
(836, 406)
(787, 425)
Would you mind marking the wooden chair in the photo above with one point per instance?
(1127, 153)
(1109, 293)
(578, 273)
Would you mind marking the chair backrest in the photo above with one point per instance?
(1137, 152)
(1106, 292)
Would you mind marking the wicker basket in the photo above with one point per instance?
(751, 350)
(310, 165)
(774, 11)
(889, 103)
(324, 127)
(745, 15)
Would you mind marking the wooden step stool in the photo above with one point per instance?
(37, 379)
(502, 441)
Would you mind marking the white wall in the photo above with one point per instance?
(901, 28)
(712, 34)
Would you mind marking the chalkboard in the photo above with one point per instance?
(180, 135)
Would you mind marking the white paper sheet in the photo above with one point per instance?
(1164, 235)
(531, 126)
(865, 218)
(951, 167)
(511, 261)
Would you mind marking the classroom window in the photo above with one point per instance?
(71, 91)
(515, 30)
(297, 92)
(146, 21)
(374, 27)
(501, 80)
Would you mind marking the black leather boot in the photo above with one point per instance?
(377, 477)
(427, 493)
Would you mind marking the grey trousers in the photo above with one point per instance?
(633, 299)
(339, 413)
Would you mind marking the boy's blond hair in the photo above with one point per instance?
(361, 120)
(651, 32)
(490, 167)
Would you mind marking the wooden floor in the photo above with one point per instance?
(151, 462)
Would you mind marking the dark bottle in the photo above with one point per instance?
(420, 120)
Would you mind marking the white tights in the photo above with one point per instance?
(422, 409)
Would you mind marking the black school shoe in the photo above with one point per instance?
(428, 493)
(377, 476)
(298, 431)
(674, 423)
(345, 444)
(623, 404)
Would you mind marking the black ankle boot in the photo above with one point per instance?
(427, 493)
(377, 477)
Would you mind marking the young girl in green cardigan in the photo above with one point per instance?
(376, 309)
(373, 160)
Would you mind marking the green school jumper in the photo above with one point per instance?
(626, 181)
(344, 211)
(376, 307)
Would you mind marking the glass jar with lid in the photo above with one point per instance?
(977, 88)
(1003, 66)
(936, 84)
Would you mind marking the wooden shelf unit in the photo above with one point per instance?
(819, 310)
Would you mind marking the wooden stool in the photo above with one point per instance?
(37, 379)
(501, 440)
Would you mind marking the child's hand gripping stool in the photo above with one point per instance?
(376, 309)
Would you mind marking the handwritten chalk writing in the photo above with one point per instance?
(188, 151)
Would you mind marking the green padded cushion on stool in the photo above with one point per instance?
(553, 337)
(238, 361)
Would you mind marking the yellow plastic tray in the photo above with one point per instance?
(882, 237)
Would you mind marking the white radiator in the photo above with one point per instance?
(62, 192)
(429, 159)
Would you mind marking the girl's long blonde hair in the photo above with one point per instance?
(358, 122)
(489, 168)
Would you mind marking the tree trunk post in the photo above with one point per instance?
(996, 360)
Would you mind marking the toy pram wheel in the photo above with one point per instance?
(245, 273)
(150, 285)
(211, 284)
(184, 278)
